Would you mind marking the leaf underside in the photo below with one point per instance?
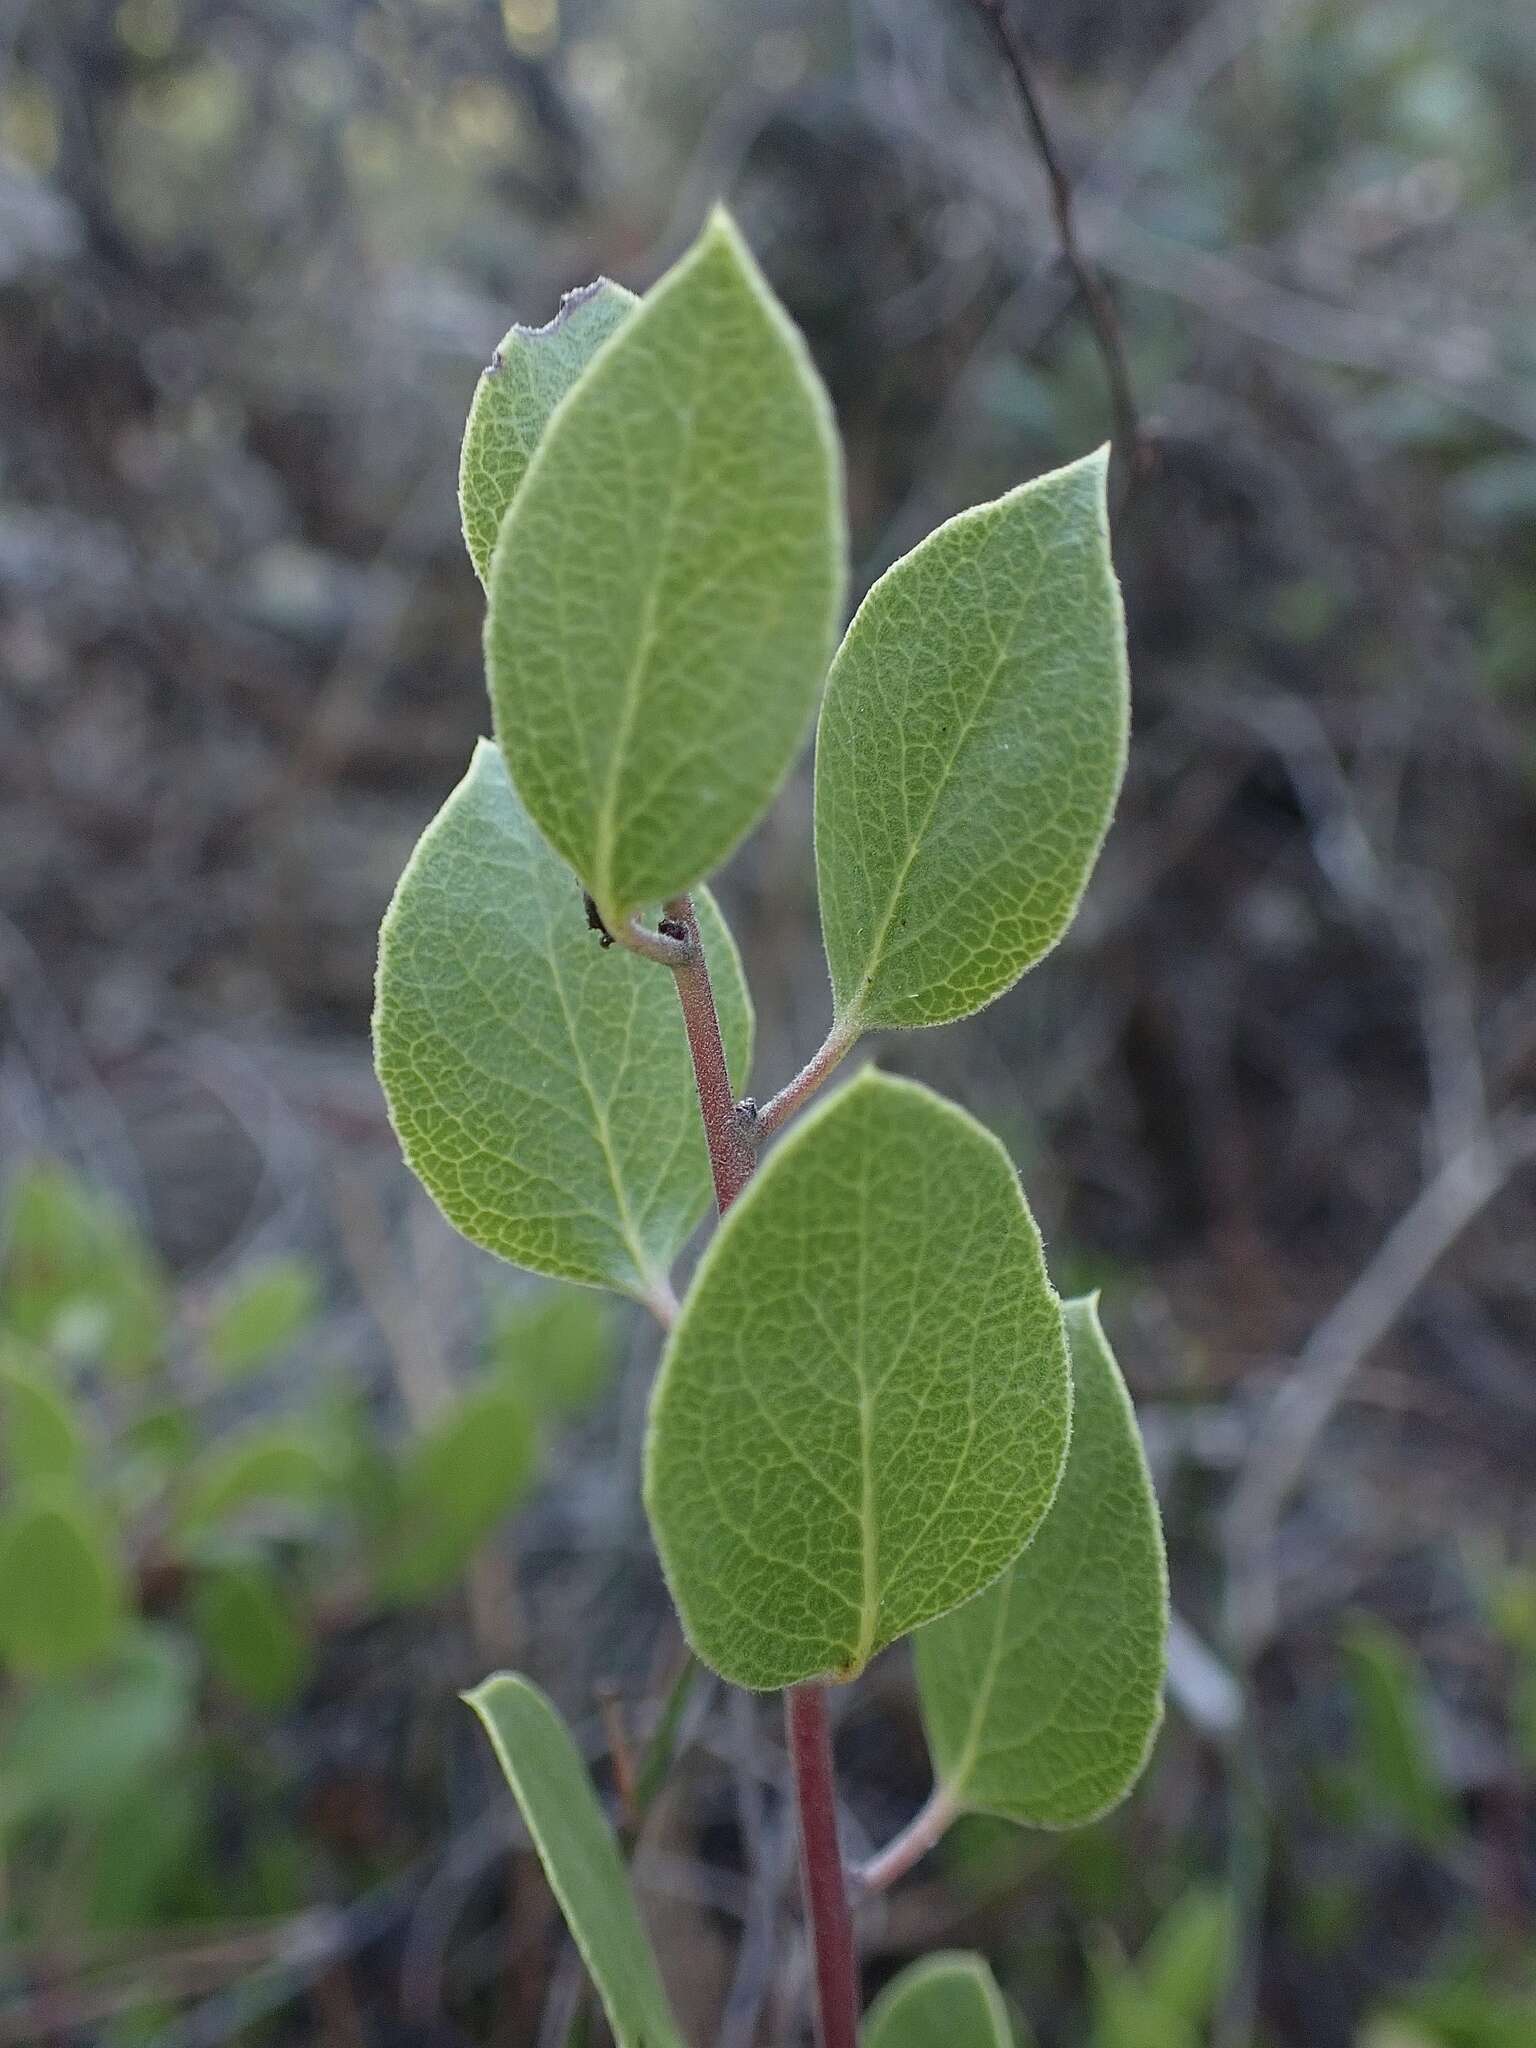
(862, 1413)
(949, 2000)
(665, 590)
(539, 1083)
(1042, 1698)
(580, 1857)
(528, 376)
(971, 745)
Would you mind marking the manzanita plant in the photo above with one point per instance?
(874, 1417)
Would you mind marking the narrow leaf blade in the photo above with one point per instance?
(971, 746)
(1042, 1698)
(949, 2000)
(527, 377)
(862, 1412)
(664, 594)
(580, 1857)
(540, 1085)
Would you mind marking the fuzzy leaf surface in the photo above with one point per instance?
(528, 375)
(862, 1412)
(665, 590)
(580, 1857)
(949, 2000)
(540, 1085)
(971, 746)
(1042, 1698)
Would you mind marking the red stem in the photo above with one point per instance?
(731, 1157)
(821, 1867)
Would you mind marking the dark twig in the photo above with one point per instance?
(1095, 295)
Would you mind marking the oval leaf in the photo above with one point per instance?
(1042, 1698)
(665, 591)
(580, 1857)
(862, 1412)
(970, 750)
(950, 2000)
(253, 1635)
(465, 1473)
(60, 1586)
(262, 1313)
(526, 379)
(540, 1085)
(42, 1435)
(269, 1468)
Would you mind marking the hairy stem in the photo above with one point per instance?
(821, 1866)
(839, 1042)
(921, 1834)
(732, 1156)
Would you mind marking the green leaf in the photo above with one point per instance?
(1185, 1960)
(1395, 1746)
(556, 1351)
(252, 1635)
(540, 1084)
(263, 1465)
(61, 1593)
(77, 1276)
(262, 1313)
(44, 1437)
(1042, 1698)
(76, 1746)
(665, 591)
(949, 2000)
(580, 1857)
(467, 1471)
(862, 1413)
(528, 376)
(971, 746)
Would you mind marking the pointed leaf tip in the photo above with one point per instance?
(665, 591)
(970, 750)
(580, 1856)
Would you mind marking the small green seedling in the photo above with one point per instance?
(874, 1417)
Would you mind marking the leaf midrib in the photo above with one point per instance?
(941, 785)
(629, 702)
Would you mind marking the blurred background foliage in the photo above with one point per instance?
(284, 1463)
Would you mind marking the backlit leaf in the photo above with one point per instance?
(949, 2000)
(540, 1084)
(665, 591)
(1042, 1698)
(580, 1857)
(528, 376)
(862, 1413)
(971, 745)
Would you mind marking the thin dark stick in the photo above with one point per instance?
(821, 1866)
(1096, 300)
